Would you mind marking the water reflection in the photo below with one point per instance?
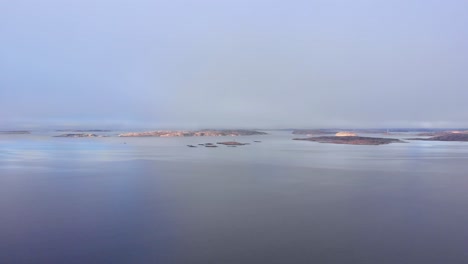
(281, 201)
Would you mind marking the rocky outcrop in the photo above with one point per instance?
(352, 140)
(198, 133)
(232, 143)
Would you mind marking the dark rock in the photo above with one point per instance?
(232, 143)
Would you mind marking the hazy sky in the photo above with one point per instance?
(239, 63)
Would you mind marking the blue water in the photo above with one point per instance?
(154, 200)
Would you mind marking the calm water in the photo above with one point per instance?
(154, 200)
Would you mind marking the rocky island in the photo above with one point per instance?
(352, 140)
(197, 133)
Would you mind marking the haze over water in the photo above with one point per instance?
(232, 64)
(153, 200)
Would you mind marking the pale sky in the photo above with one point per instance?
(240, 63)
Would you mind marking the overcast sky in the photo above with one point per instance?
(239, 63)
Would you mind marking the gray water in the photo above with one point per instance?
(154, 200)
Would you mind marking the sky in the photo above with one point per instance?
(234, 63)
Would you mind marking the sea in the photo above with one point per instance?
(155, 200)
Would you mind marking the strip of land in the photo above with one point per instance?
(197, 133)
(80, 135)
(446, 137)
(83, 130)
(15, 132)
(232, 143)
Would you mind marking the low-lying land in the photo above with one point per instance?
(446, 137)
(79, 135)
(226, 143)
(83, 130)
(15, 132)
(313, 132)
(385, 131)
(352, 140)
(198, 133)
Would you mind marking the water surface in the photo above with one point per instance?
(154, 200)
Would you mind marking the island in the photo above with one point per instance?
(383, 131)
(80, 135)
(452, 136)
(352, 140)
(324, 131)
(232, 143)
(196, 133)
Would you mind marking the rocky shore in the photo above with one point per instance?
(198, 133)
(352, 140)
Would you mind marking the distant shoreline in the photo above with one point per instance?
(15, 132)
(352, 140)
(196, 133)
